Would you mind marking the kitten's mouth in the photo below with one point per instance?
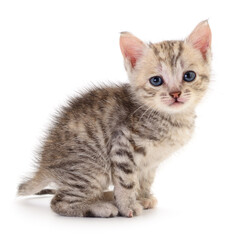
(176, 103)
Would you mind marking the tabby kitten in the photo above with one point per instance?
(119, 135)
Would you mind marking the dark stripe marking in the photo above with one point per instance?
(124, 167)
(203, 77)
(179, 52)
(122, 152)
(137, 149)
(127, 186)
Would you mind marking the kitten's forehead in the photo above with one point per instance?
(168, 54)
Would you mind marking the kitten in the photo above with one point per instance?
(119, 135)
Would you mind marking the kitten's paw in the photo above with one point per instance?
(133, 210)
(149, 202)
(102, 209)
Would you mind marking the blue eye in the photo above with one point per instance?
(189, 76)
(156, 81)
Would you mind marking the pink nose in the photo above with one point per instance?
(175, 95)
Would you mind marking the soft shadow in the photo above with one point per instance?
(40, 206)
(34, 204)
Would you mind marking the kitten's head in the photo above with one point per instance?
(170, 76)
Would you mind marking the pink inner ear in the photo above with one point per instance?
(131, 47)
(201, 37)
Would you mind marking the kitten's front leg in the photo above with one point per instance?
(125, 176)
(145, 197)
(148, 202)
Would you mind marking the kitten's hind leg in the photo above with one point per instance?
(70, 203)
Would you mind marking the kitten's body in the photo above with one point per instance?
(113, 135)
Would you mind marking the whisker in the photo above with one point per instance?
(144, 114)
(151, 112)
(137, 109)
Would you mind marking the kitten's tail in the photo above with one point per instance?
(34, 184)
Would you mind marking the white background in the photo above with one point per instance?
(51, 49)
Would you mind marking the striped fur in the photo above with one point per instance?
(119, 135)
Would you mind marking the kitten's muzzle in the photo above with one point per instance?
(176, 98)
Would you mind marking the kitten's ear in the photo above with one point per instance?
(201, 37)
(132, 48)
